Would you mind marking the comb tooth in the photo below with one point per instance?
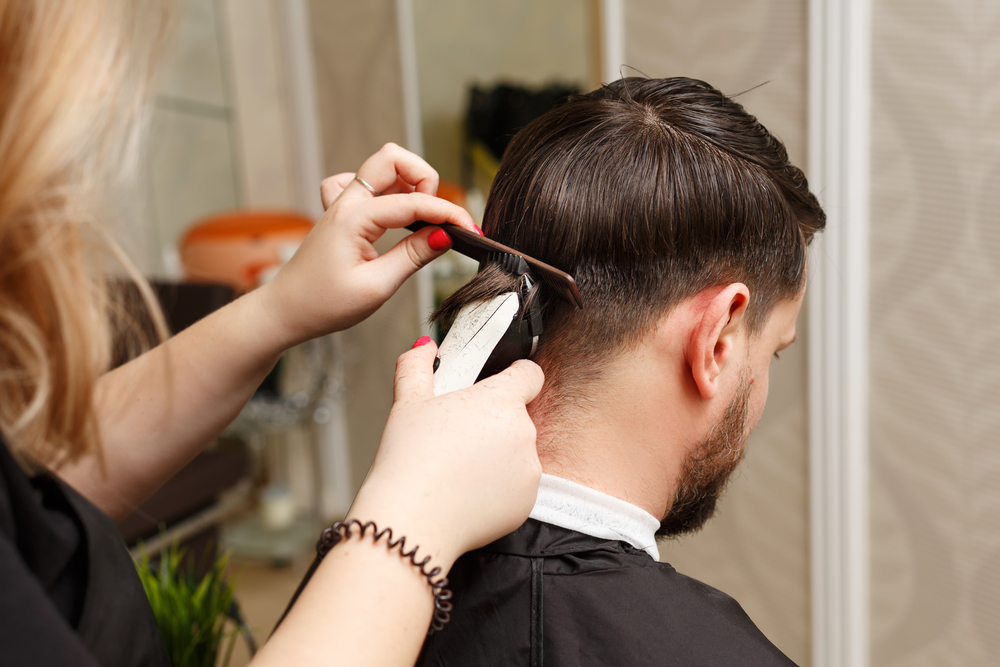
(513, 264)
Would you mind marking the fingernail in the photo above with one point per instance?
(423, 340)
(439, 240)
(478, 230)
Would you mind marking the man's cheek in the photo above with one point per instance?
(758, 398)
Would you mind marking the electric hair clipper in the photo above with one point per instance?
(490, 335)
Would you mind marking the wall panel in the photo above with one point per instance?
(757, 547)
(935, 318)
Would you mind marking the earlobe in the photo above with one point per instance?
(720, 321)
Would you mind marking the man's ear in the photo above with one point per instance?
(715, 334)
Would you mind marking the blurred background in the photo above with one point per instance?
(864, 526)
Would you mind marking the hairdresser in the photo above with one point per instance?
(80, 447)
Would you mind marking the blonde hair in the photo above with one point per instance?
(72, 82)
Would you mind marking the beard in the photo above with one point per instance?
(707, 469)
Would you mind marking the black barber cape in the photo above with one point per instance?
(69, 593)
(545, 595)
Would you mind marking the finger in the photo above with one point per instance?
(395, 211)
(414, 378)
(331, 187)
(382, 169)
(523, 377)
(399, 187)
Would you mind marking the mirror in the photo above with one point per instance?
(484, 70)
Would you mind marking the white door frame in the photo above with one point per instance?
(406, 34)
(612, 30)
(839, 165)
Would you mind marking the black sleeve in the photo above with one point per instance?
(32, 631)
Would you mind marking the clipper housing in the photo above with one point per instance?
(490, 335)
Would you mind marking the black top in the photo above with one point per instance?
(69, 593)
(549, 596)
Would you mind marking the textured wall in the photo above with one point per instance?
(359, 87)
(935, 333)
(756, 549)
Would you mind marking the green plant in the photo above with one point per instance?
(192, 613)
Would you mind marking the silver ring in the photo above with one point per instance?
(367, 185)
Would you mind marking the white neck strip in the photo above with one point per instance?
(576, 507)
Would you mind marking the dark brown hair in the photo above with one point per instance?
(648, 191)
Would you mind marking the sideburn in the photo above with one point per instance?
(708, 468)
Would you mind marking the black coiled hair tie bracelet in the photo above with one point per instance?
(343, 530)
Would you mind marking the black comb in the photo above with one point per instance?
(479, 247)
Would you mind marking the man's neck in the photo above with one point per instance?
(628, 443)
(607, 470)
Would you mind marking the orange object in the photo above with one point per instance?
(451, 191)
(234, 248)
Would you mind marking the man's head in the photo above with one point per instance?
(686, 228)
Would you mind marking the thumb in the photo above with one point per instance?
(331, 188)
(412, 253)
(524, 378)
(414, 378)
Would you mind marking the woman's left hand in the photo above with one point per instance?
(337, 278)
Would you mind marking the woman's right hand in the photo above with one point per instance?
(452, 473)
(457, 471)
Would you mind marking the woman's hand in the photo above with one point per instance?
(452, 473)
(337, 278)
(457, 471)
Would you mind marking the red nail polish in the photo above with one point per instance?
(478, 230)
(439, 240)
(423, 340)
